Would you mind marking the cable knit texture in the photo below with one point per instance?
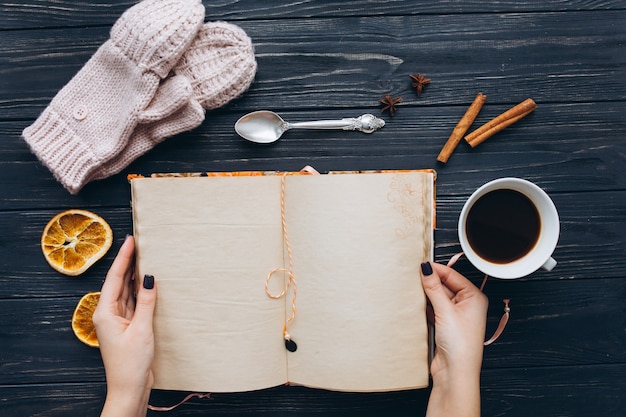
(218, 67)
(219, 63)
(92, 118)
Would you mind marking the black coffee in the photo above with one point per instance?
(502, 226)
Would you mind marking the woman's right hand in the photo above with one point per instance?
(460, 315)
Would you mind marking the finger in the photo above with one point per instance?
(448, 291)
(129, 301)
(433, 287)
(128, 291)
(113, 286)
(145, 304)
(452, 280)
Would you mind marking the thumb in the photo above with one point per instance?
(190, 116)
(145, 304)
(433, 287)
(173, 93)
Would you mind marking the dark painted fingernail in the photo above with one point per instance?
(148, 282)
(427, 269)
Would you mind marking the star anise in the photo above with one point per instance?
(419, 82)
(390, 104)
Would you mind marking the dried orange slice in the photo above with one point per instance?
(82, 319)
(74, 240)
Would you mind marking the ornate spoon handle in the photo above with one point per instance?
(366, 123)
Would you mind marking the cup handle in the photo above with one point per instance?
(549, 265)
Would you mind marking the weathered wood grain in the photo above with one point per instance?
(74, 399)
(562, 147)
(67, 13)
(547, 391)
(352, 62)
(554, 391)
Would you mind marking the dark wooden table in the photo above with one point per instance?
(564, 352)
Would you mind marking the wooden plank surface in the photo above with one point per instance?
(353, 61)
(562, 147)
(563, 351)
(549, 391)
(69, 13)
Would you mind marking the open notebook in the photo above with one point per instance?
(348, 246)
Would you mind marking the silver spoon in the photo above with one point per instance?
(266, 127)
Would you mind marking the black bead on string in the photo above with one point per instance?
(290, 345)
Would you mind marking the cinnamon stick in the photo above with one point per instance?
(461, 128)
(494, 126)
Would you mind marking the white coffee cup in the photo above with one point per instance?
(539, 255)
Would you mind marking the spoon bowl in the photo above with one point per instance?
(265, 126)
(261, 126)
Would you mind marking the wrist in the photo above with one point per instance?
(125, 403)
(455, 394)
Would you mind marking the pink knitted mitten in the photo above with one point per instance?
(219, 63)
(92, 118)
(218, 67)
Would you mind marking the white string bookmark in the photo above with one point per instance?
(290, 345)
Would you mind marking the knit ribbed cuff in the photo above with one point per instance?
(62, 151)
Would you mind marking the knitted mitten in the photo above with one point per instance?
(218, 67)
(219, 63)
(91, 119)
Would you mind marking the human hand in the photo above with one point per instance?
(125, 334)
(460, 314)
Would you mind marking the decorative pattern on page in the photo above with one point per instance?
(407, 198)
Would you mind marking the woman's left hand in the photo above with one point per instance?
(124, 328)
